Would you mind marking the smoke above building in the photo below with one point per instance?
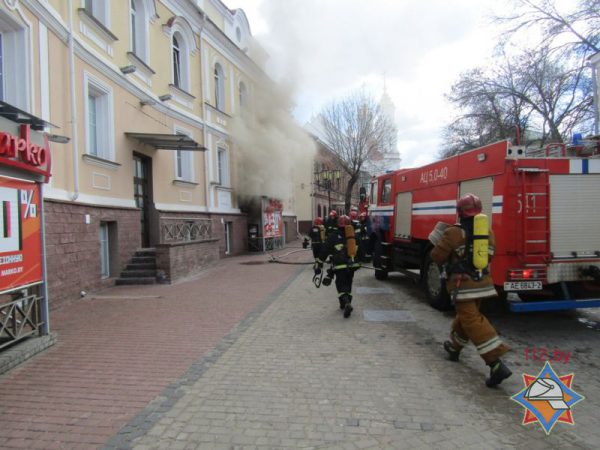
(270, 145)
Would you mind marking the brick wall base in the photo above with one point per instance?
(73, 247)
(178, 261)
(289, 222)
(304, 226)
(239, 233)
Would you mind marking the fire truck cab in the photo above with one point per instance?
(543, 205)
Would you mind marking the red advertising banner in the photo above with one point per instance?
(272, 212)
(20, 234)
(21, 152)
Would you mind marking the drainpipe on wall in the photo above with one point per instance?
(595, 99)
(74, 140)
(204, 132)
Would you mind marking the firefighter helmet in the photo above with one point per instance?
(353, 215)
(343, 221)
(333, 214)
(319, 221)
(468, 205)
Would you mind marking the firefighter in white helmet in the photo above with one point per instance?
(468, 283)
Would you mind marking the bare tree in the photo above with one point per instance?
(358, 132)
(488, 113)
(536, 88)
(575, 30)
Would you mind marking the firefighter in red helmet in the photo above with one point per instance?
(341, 247)
(331, 223)
(317, 237)
(468, 285)
(363, 239)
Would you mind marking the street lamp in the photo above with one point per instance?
(324, 180)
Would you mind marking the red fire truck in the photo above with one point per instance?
(544, 208)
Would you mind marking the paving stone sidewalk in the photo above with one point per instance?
(119, 349)
(298, 375)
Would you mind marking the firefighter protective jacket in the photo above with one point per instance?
(315, 234)
(335, 245)
(451, 249)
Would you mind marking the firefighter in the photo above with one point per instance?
(468, 287)
(331, 223)
(341, 246)
(354, 219)
(363, 239)
(317, 237)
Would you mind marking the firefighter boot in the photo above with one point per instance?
(343, 301)
(348, 307)
(453, 354)
(498, 372)
(328, 277)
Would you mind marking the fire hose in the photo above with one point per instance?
(277, 259)
(318, 277)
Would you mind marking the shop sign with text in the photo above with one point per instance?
(20, 234)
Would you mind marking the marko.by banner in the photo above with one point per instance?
(20, 234)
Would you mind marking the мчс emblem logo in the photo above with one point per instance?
(548, 398)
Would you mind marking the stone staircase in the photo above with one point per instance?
(141, 269)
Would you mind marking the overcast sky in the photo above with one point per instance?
(327, 48)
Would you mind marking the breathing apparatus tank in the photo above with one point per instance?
(481, 237)
(351, 246)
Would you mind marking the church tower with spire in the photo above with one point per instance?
(391, 155)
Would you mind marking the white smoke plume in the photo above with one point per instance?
(273, 151)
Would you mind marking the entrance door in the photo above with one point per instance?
(142, 194)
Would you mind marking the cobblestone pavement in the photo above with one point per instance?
(252, 355)
(298, 375)
(119, 349)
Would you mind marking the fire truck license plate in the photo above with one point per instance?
(523, 286)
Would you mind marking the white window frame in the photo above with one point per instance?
(16, 54)
(104, 250)
(100, 10)
(134, 26)
(1, 69)
(219, 79)
(184, 160)
(243, 95)
(184, 62)
(223, 166)
(228, 227)
(138, 29)
(105, 141)
(176, 58)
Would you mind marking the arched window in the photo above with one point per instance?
(138, 27)
(219, 87)
(183, 48)
(133, 18)
(243, 95)
(176, 52)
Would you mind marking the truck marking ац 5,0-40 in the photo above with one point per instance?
(543, 205)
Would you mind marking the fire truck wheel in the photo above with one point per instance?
(435, 288)
(381, 274)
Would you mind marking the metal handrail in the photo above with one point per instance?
(19, 319)
(184, 229)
